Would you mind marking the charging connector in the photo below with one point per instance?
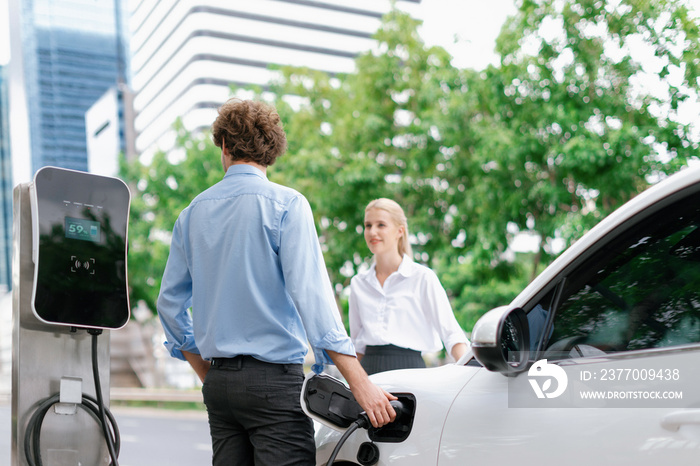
(363, 422)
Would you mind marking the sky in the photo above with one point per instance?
(467, 29)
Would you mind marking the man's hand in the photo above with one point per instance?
(373, 400)
(200, 366)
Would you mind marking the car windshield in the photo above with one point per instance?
(640, 291)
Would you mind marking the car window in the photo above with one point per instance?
(640, 291)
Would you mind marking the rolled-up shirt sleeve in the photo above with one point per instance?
(308, 284)
(175, 299)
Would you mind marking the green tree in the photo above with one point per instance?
(566, 132)
(547, 143)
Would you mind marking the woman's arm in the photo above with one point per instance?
(459, 350)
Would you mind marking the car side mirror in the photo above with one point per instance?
(501, 340)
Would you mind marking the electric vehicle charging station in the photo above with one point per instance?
(69, 286)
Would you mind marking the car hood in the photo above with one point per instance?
(435, 382)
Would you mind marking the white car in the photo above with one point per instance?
(597, 361)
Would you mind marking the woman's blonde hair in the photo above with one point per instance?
(397, 215)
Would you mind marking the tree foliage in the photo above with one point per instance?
(591, 123)
(547, 143)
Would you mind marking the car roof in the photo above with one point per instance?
(687, 177)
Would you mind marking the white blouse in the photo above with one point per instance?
(411, 310)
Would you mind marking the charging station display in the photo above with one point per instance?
(86, 230)
(79, 248)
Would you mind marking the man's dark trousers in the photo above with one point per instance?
(255, 415)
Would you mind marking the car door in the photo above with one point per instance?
(619, 328)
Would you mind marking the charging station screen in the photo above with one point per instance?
(86, 230)
(80, 238)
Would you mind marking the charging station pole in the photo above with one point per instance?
(51, 360)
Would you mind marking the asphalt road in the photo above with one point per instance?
(150, 437)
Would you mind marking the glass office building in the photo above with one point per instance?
(72, 52)
(187, 53)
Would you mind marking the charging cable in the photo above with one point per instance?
(364, 423)
(95, 406)
(111, 442)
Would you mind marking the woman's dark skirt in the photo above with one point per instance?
(390, 357)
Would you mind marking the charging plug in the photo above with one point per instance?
(399, 408)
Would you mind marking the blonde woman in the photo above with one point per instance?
(398, 308)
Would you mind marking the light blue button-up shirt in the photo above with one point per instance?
(245, 257)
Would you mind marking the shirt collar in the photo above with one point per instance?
(244, 169)
(406, 268)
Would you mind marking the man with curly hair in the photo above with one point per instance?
(245, 257)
